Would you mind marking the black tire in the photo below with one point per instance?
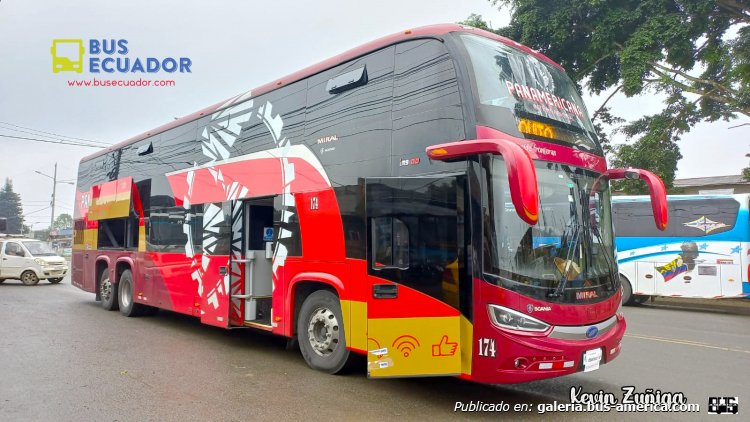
(55, 280)
(2, 281)
(29, 278)
(125, 296)
(107, 291)
(320, 323)
(627, 292)
(641, 299)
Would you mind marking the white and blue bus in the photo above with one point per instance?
(703, 253)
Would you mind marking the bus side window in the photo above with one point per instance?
(390, 243)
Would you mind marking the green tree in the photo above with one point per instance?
(694, 53)
(63, 221)
(10, 208)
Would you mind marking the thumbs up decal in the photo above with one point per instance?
(444, 348)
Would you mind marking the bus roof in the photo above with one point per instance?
(421, 32)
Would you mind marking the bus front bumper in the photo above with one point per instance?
(523, 358)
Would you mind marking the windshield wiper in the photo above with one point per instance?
(568, 262)
(576, 228)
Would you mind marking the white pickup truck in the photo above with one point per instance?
(30, 260)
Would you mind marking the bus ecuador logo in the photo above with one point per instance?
(67, 55)
(110, 56)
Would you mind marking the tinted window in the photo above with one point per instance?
(687, 218)
(416, 230)
(350, 131)
(390, 243)
(426, 104)
(166, 229)
(287, 102)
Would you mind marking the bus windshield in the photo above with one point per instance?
(568, 251)
(541, 97)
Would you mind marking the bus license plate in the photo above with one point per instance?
(591, 360)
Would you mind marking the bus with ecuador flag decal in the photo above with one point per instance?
(436, 200)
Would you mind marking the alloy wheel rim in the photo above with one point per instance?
(323, 332)
(106, 289)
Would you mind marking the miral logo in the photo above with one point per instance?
(586, 295)
(109, 56)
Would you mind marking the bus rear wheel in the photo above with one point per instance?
(107, 291)
(320, 333)
(55, 280)
(627, 292)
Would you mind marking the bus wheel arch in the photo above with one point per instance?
(99, 267)
(299, 292)
(627, 291)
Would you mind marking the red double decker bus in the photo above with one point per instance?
(436, 199)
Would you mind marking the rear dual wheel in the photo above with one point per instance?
(107, 291)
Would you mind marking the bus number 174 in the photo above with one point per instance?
(487, 347)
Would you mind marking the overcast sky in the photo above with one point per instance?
(234, 46)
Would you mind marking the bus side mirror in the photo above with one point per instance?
(524, 192)
(656, 189)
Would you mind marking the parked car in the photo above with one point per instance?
(30, 260)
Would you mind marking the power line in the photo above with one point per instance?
(53, 134)
(36, 211)
(59, 141)
(47, 136)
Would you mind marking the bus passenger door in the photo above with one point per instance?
(414, 258)
(257, 260)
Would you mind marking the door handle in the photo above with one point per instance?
(385, 291)
(649, 276)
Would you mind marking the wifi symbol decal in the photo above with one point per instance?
(406, 344)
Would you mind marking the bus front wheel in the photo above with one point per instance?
(320, 332)
(627, 291)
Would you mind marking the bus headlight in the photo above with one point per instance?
(513, 320)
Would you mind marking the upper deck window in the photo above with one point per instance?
(542, 99)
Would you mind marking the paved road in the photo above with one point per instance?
(64, 358)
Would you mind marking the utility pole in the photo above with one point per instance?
(54, 191)
(54, 188)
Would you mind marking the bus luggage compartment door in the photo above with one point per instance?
(414, 240)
